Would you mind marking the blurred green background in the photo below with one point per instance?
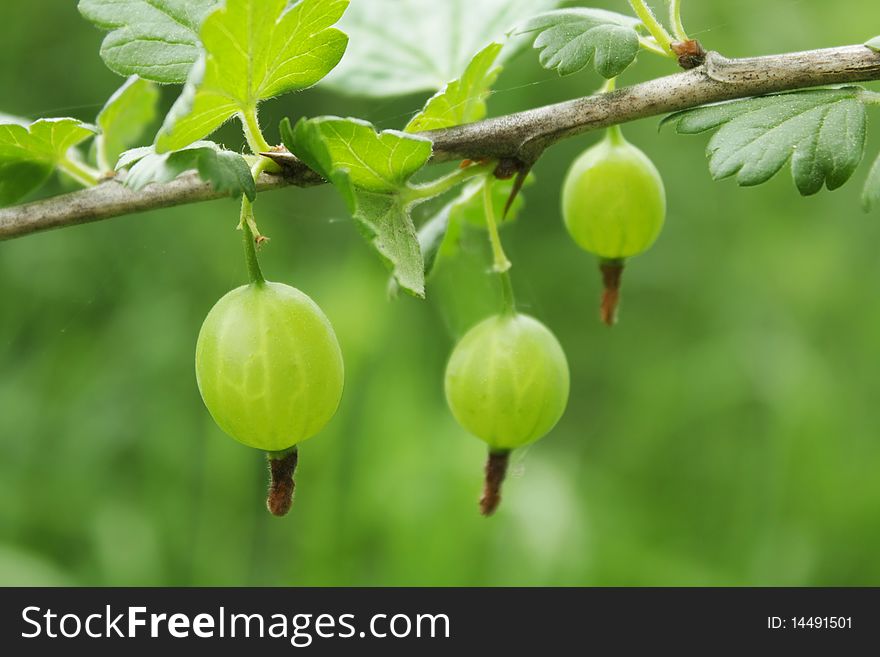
(725, 433)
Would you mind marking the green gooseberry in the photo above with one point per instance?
(613, 205)
(270, 371)
(613, 200)
(507, 383)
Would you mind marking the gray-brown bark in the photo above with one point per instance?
(522, 136)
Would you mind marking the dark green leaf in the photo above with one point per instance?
(820, 131)
(155, 39)
(569, 39)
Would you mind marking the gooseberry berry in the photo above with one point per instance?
(270, 372)
(507, 383)
(614, 205)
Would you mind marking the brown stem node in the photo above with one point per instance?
(496, 470)
(281, 485)
(612, 274)
(690, 53)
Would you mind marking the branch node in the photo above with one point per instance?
(690, 53)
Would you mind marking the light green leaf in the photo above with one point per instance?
(372, 171)
(226, 171)
(124, 118)
(404, 46)
(29, 154)
(155, 39)
(874, 44)
(254, 50)
(462, 100)
(871, 194)
(820, 131)
(569, 39)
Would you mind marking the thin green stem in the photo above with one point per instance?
(675, 20)
(651, 46)
(80, 172)
(508, 300)
(615, 135)
(501, 263)
(251, 126)
(255, 274)
(261, 165)
(609, 86)
(247, 224)
(655, 27)
(427, 191)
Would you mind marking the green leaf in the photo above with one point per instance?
(124, 118)
(871, 194)
(29, 154)
(155, 39)
(404, 46)
(462, 100)
(570, 39)
(254, 50)
(226, 171)
(874, 44)
(372, 171)
(820, 131)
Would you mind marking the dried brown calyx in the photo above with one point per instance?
(690, 53)
(281, 484)
(496, 470)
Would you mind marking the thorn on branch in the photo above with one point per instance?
(522, 172)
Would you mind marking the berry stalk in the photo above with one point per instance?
(282, 466)
(501, 264)
(496, 471)
(612, 275)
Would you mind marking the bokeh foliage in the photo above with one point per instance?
(726, 432)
